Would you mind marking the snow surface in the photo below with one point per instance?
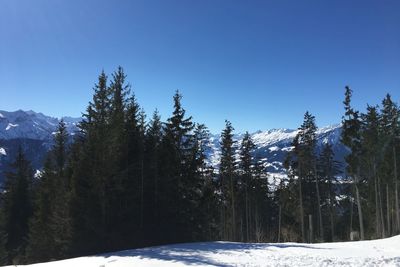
(273, 148)
(384, 252)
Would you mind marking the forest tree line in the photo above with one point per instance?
(126, 181)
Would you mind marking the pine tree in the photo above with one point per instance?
(370, 145)
(90, 170)
(262, 216)
(390, 132)
(61, 218)
(227, 176)
(17, 208)
(302, 163)
(41, 237)
(50, 234)
(246, 163)
(328, 169)
(119, 91)
(152, 176)
(352, 139)
(3, 251)
(199, 186)
(176, 149)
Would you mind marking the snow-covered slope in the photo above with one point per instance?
(384, 252)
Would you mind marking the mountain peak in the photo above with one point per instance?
(31, 125)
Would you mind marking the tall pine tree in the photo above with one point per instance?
(16, 208)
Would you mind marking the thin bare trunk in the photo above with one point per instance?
(222, 225)
(396, 193)
(351, 209)
(241, 229)
(388, 210)
(156, 188)
(360, 214)
(321, 226)
(279, 225)
(310, 229)
(233, 221)
(331, 211)
(301, 208)
(141, 193)
(382, 222)
(377, 213)
(247, 212)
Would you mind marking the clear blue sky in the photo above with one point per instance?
(260, 64)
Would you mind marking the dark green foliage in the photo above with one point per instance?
(254, 204)
(328, 169)
(302, 164)
(372, 165)
(16, 210)
(228, 185)
(50, 233)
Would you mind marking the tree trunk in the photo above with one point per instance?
(223, 223)
(247, 211)
(382, 222)
(331, 209)
(388, 210)
(301, 208)
(396, 194)
(279, 225)
(141, 193)
(351, 209)
(233, 221)
(156, 187)
(321, 226)
(360, 214)
(377, 213)
(310, 229)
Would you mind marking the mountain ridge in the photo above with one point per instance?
(34, 131)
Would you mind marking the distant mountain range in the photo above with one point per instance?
(273, 145)
(31, 125)
(34, 133)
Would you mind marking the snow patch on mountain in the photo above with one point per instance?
(274, 148)
(3, 151)
(10, 126)
(273, 136)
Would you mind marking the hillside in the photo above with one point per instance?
(384, 252)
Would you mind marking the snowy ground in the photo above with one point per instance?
(384, 252)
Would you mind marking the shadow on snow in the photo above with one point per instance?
(195, 253)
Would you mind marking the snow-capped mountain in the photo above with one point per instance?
(34, 132)
(31, 125)
(273, 145)
(30, 130)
